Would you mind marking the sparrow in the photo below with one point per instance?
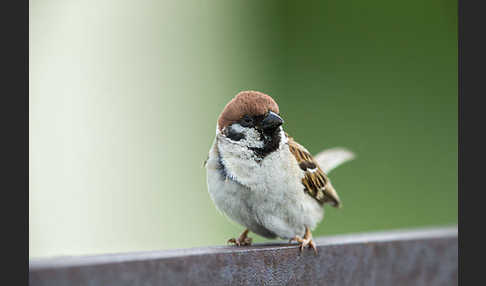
(261, 178)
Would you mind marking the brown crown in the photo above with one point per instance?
(246, 102)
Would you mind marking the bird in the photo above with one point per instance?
(261, 178)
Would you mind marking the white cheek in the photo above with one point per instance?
(252, 137)
(283, 138)
(238, 128)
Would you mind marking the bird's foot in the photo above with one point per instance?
(243, 240)
(305, 241)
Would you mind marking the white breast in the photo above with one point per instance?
(266, 196)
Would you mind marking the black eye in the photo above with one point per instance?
(246, 121)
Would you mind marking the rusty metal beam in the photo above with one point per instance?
(406, 257)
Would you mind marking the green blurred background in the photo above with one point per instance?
(124, 97)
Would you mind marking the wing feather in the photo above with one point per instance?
(315, 181)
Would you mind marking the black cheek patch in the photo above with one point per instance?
(233, 135)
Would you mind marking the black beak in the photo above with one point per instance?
(271, 122)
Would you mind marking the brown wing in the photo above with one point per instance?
(315, 181)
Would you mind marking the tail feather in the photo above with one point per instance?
(329, 159)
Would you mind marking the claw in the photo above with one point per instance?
(306, 241)
(235, 241)
(243, 240)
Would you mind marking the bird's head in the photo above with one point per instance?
(252, 119)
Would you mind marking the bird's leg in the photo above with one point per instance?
(306, 241)
(243, 240)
